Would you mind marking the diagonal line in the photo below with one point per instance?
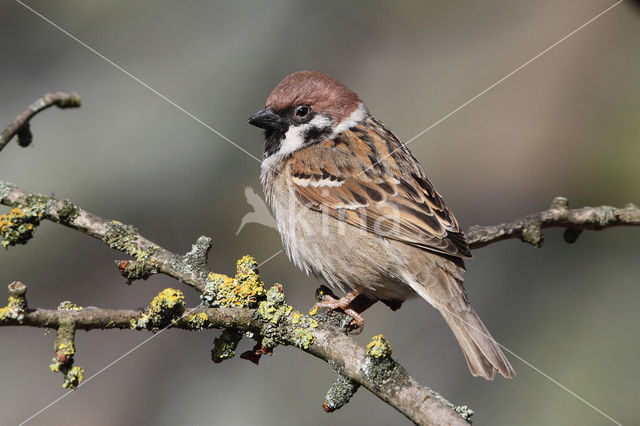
(280, 251)
(496, 83)
(145, 85)
(52, 403)
(533, 367)
(270, 257)
(554, 381)
(138, 346)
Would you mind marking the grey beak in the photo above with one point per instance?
(266, 119)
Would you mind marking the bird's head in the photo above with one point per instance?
(304, 108)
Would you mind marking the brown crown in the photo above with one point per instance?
(322, 92)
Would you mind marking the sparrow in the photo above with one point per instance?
(354, 207)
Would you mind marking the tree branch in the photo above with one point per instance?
(380, 374)
(240, 304)
(20, 126)
(323, 337)
(528, 228)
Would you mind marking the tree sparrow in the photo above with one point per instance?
(354, 207)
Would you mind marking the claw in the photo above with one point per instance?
(344, 304)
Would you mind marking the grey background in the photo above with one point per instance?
(567, 124)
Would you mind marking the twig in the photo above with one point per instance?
(20, 126)
(265, 317)
(326, 341)
(384, 377)
(329, 342)
(528, 228)
(149, 257)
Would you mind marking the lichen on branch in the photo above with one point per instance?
(241, 305)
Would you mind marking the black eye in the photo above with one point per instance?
(302, 111)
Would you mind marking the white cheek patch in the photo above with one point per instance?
(353, 119)
(295, 137)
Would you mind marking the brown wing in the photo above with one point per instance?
(369, 179)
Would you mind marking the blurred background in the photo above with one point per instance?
(567, 124)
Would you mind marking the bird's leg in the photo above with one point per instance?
(344, 304)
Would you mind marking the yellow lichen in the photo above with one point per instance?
(313, 310)
(244, 290)
(73, 378)
(68, 306)
(15, 308)
(18, 225)
(379, 347)
(198, 321)
(163, 310)
(302, 336)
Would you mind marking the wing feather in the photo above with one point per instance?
(366, 177)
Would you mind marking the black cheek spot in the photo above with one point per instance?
(314, 133)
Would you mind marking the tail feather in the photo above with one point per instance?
(446, 293)
(481, 351)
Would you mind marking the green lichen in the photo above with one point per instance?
(196, 259)
(302, 335)
(607, 215)
(17, 303)
(164, 309)
(464, 412)
(532, 234)
(68, 306)
(224, 347)
(382, 371)
(559, 203)
(18, 226)
(67, 211)
(124, 238)
(244, 290)
(198, 321)
(137, 270)
(275, 308)
(5, 189)
(339, 394)
(378, 347)
(63, 359)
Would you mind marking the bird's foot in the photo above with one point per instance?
(344, 304)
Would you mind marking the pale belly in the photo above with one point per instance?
(343, 255)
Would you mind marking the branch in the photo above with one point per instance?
(529, 228)
(323, 337)
(241, 305)
(372, 368)
(149, 257)
(326, 340)
(20, 126)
